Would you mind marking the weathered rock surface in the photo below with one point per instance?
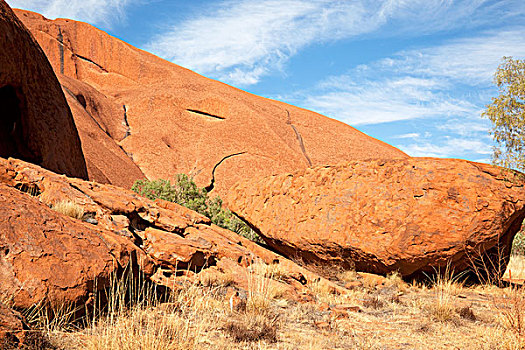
(180, 122)
(409, 215)
(100, 133)
(12, 327)
(46, 256)
(35, 120)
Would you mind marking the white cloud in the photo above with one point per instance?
(100, 12)
(424, 83)
(412, 135)
(448, 147)
(467, 61)
(241, 41)
(387, 100)
(467, 128)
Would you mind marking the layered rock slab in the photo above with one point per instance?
(412, 216)
(48, 257)
(35, 121)
(181, 122)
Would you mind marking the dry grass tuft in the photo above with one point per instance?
(213, 278)
(466, 313)
(261, 293)
(511, 307)
(253, 328)
(445, 286)
(373, 302)
(69, 208)
(272, 271)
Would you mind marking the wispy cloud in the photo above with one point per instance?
(470, 60)
(99, 12)
(241, 41)
(448, 147)
(412, 135)
(423, 83)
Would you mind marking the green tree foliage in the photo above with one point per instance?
(185, 192)
(518, 245)
(507, 114)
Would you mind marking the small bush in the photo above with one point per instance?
(518, 245)
(252, 328)
(185, 192)
(373, 303)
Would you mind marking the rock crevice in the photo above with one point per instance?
(299, 138)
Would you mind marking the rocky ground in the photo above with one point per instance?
(379, 313)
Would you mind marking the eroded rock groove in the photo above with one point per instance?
(125, 122)
(299, 138)
(205, 114)
(210, 187)
(90, 61)
(60, 39)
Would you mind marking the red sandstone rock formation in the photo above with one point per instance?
(100, 132)
(35, 120)
(12, 328)
(180, 122)
(46, 256)
(410, 215)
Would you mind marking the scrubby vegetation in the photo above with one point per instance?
(185, 192)
(442, 313)
(518, 245)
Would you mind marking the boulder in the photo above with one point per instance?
(412, 216)
(180, 122)
(49, 257)
(35, 121)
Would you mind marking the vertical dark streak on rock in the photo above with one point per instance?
(125, 122)
(299, 138)
(60, 39)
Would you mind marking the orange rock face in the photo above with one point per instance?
(100, 132)
(46, 256)
(180, 122)
(12, 327)
(35, 120)
(411, 215)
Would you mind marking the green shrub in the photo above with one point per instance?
(185, 192)
(518, 245)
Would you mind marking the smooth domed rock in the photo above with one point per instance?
(412, 216)
(182, 122)
(35, 121)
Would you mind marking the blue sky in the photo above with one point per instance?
(414, 73)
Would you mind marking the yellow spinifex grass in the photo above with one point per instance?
(445, 286)
(69, 208)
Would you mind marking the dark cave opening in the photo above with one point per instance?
(12, 141)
